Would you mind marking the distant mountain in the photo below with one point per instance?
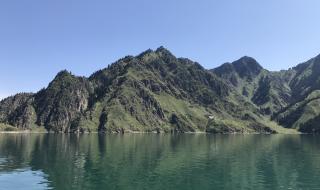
(290, 97)
(157, 92)
(269, 91)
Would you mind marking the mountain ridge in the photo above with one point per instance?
(158, 92)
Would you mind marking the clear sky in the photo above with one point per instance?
(38, 38)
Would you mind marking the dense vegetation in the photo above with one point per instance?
(157, 92)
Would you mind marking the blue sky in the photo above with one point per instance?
(38, 38)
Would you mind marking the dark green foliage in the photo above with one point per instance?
(311, 126)
(103, 121)
(247, 67)
(262, 94)
(306, 79)
(180, 124)
(65, 99)
(18, 110)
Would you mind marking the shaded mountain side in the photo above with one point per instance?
(64, 101)
(301, 115)
(306, 80)
(18, 110)
(304, 109)
(157, 92)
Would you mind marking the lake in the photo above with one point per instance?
(159, 161)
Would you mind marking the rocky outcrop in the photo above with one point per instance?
(63, 102)
(18, 110)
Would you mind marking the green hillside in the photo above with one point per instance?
(158, 92)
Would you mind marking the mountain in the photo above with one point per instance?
(158, 92)
(267, 90)
(303, 112)
(289, 97)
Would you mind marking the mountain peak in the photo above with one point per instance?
(246, 60)
(62, 77)
(247, 66)
(147, 52)
(162, 51)
(62, 74)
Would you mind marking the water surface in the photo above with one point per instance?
(159, 161)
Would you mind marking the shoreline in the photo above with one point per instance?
(141, 132)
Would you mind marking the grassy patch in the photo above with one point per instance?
(7, 127)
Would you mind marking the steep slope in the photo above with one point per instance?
(290, 97)
(57, 107)
(267, 90)
(154, 91)
(302, 115)
(63, 103)
(18, 110)
(306, 78)
(303, 112)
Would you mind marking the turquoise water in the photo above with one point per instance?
(159, 161)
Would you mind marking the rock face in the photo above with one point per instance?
(157, 92)
(59, 106)
(18, 110)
